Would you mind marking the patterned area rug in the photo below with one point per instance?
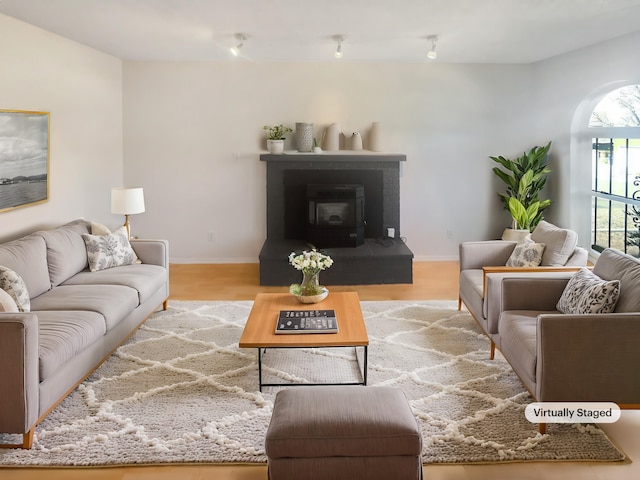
(180, 390)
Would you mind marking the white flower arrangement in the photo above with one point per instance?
(311, 262)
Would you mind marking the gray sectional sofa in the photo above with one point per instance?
(74, 319)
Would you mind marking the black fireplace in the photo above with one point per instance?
(349, 194)
(335, 215)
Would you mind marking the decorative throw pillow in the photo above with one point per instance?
(107, 251)
(587, 293)
(14, 285)
(526, 254)
(7, 303)
(560, 243)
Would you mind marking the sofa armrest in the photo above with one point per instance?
(534, 292)
(525, 270)
(475, 255)
(19, 372)
(154, 252)
(589, 357)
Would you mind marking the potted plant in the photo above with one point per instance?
(316, 146)
(275, 137)
(525, 177)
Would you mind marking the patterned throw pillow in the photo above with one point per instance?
(587, 293)
(13, 284)
(107, 251)
(7, 303)
(526, 254)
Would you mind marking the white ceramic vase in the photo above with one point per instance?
(356, 141)
(514, 235)
(375, 138)
(332, 138)
(304, 137)
(275, 147)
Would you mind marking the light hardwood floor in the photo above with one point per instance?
(432, 281)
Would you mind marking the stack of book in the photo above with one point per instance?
(307, 321)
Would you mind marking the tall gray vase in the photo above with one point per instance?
(304, 137)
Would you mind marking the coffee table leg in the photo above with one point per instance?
(366, 356)
(260, 369)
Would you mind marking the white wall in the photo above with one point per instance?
(193, 135)
(568, 87)
(82, 90)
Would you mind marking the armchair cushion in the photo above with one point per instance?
(559, 243)
(526, 254)
(587, 293)
(615, 265)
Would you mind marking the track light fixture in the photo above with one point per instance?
(432, 54)
(338, 52)
(240, 37)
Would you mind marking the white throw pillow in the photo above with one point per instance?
(526, 254)
(7, 303)
(560, 243)
(14, 285)
(107, 251)
(587, 293)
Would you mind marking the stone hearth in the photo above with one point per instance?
(379, 261)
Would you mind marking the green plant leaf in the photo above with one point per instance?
(525, 178)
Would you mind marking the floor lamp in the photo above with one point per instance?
(127, 201)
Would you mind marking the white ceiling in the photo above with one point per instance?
(469, 31)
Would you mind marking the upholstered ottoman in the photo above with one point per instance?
(343, 432)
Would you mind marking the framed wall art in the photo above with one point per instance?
(24, 158)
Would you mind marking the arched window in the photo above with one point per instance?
(615, 161)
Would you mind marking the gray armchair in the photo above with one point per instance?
(560, 357)
(483, 266)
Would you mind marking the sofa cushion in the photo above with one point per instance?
(615, 265)
(63, 334)
(27, 257)
(7, 303)
(12, 283)
(526, 254)
(66, 251)
(99, 229)
(517, 330)
(144, 278)
(108, 251)
(559, 243)
(587, 293)
(113, 302)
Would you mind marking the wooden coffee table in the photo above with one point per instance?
(259, 332)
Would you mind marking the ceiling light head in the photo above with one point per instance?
(338, 52)
(432, 54)
(240, 37)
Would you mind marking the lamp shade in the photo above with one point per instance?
(127, 201)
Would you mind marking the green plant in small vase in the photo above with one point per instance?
(525, 177)
(275, 137)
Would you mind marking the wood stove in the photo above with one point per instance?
(335, 215)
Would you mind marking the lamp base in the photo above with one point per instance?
(128, 225)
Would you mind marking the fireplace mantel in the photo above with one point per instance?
(379, 260)
(345, 156)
